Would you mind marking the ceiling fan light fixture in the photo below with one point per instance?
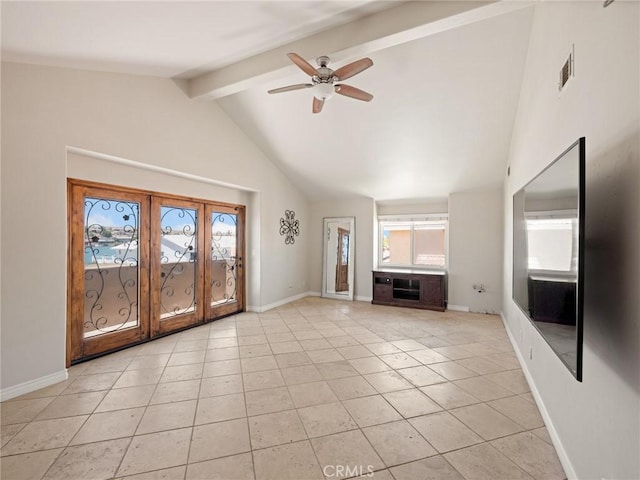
(323, 91)
(323, 80)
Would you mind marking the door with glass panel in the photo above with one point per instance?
(108, 288)
(224, 273)
(177, 270)
(143, 265)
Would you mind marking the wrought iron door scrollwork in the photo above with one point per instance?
(177, 258)
(121, 238)
(223, 258)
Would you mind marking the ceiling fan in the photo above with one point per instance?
(324, 80)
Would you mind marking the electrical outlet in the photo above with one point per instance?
(530, 353)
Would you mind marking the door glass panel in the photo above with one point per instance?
(178, 273)
(223, 274)
(344, 258)
(111, 275)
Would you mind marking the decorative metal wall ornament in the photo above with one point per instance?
(289, 226)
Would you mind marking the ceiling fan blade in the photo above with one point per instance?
(289, 88)
(353, 92)
(302, 64)
(352, 69)
(317, 105)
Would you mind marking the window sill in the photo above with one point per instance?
(411, 270)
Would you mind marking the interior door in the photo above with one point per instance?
(108, 252)
(224, 282)
(177, 269)
(342, 266)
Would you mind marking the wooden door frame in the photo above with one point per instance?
(240, 305)
(74, 288)
(158, 326)
(77, 346)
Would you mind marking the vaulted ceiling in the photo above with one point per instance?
(446, 79)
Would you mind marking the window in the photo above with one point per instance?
(416, 242)
(552, 242)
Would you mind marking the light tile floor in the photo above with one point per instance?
(314, 389)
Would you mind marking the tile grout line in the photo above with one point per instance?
(246, 410)
(146, 407)
(340, 324)
(197, 399)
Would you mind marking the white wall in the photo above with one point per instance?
(144, 119)
(0, 214)
(0, 220)
(285, 268)
(87, 166)
(595, 423)
(475, 249)
(363, 209)
(476, 215)
(91, 167)
(404, 208)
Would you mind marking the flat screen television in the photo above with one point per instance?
(548, 253)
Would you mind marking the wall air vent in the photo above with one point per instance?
(567, 71)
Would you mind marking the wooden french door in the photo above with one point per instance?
(109, 270)
(177, 269)
(142, 265)
(224, 265)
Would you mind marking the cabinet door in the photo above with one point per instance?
(383, 293)
(382, 288)
(432, 290)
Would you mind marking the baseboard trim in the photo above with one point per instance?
(457, 308)
(284, 301)
(279, 303)
(557, 443)
(362, 298)
(33, 385)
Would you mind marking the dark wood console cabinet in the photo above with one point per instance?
(403, 288)
(552, 299)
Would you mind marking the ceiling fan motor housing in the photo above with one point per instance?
(323, 82)
(323, 61)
